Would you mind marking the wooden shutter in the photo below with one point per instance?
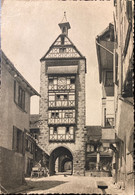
(23, 99)
(129, 10)
(23, 143)
(14, 145)
(115, 68)
(15, 91)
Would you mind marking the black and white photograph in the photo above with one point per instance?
(66, 97)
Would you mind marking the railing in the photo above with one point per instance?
(62, 103)
(62, 87)
(61, 137)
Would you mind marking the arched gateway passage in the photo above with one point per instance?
(64, 160)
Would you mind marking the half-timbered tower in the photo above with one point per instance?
(62, 104)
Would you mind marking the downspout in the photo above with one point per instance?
(104, 48)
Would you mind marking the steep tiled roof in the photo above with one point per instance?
(17, 75)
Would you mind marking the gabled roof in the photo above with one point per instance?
(107, 33)
(62, 50)
(17, 75)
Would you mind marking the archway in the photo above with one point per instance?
(62, 155)
(67, 165)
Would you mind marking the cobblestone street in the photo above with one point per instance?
(70, 184)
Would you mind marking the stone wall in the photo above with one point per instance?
(11, 173)
(43, 108)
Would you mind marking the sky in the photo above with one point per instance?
(29, 27)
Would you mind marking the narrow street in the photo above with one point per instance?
(70, 184)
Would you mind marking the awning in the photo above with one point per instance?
(62, 70)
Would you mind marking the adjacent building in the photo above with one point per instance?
(115, 54)
(98, 158)
(15, 94)
(62, 104)
(40, 154)
(123, 92)
(105, 47)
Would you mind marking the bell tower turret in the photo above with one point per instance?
(64, 25)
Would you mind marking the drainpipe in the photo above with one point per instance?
(104, 48)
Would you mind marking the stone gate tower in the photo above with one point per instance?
(62, 104)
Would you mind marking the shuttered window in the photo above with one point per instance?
(115, 70)
(18, 140)
(21, 98)
(19, 95)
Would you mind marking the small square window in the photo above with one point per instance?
(62, 50)
(53, 114)
(72, 81)
(67, 129)
(50, 81)
(57, 97)
(55, 129)
(56, 115)
(65, 97)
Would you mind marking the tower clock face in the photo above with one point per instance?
(61, 81)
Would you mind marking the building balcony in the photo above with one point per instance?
(108, 135)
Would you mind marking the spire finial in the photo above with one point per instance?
(64, 18)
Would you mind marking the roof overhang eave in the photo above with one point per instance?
(18, 75)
